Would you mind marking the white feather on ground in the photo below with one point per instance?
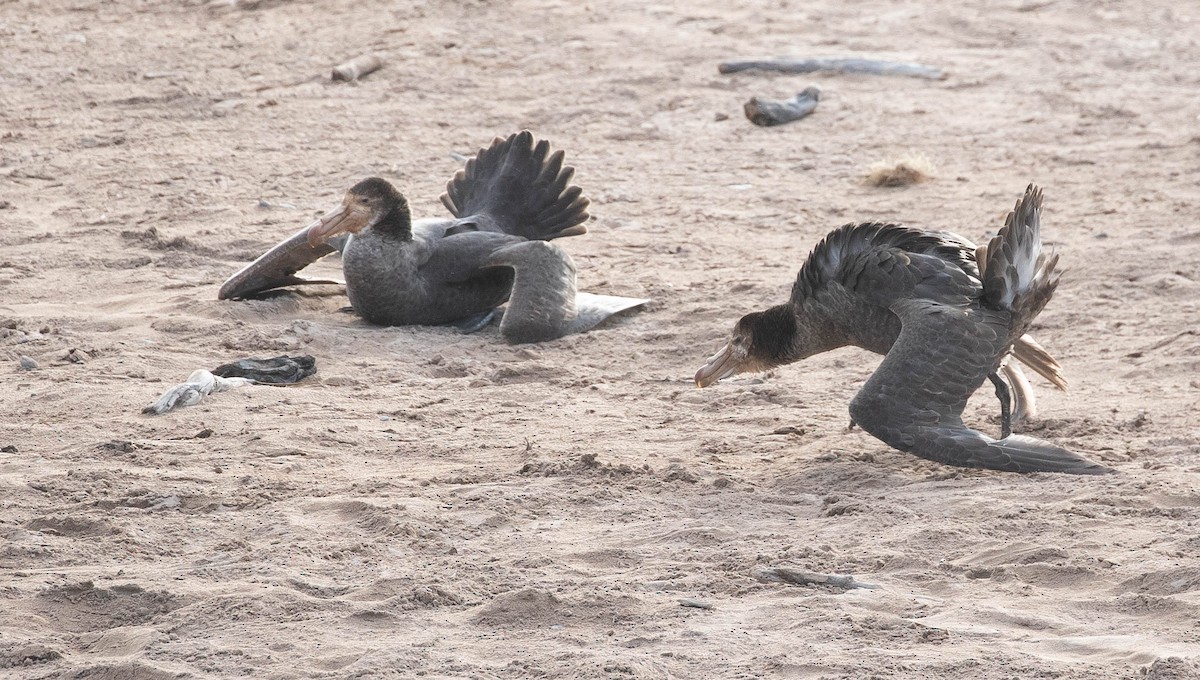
(199, 384)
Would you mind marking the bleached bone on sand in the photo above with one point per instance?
(199, 384)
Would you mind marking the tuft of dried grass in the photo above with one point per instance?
(902, 173)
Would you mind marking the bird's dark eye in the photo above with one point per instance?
(364, 200)
(739, 340)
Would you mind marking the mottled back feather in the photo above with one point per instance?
(845, 242)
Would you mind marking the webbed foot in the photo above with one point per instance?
(475, 322)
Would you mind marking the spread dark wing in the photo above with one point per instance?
(518, 187)
(915, 399)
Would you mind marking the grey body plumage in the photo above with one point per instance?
(945, 314)
(510, 196)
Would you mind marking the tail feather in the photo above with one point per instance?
(1029, 352)
(1016, 273)
(1025, 348)
(523, 188)
(1018, 278)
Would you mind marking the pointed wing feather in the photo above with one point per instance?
(915, 399)
(518, 187)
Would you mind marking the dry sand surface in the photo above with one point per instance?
(439, 505)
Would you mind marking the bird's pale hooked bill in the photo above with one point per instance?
(347, 217)
(721, 365)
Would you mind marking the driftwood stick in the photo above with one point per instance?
(852, 65)
(768, 112)
(357, 67)
(800, 577)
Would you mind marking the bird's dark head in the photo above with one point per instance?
(760, 340)
(371, 204)
(375, 191)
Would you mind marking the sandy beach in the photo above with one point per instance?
(439, 505)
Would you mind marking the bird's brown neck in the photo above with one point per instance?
(396, 222)
(782, 336)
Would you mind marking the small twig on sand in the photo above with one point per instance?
(697, 604)
(357, 67)
(867, 66)
(290, 83)
(800, 577)
(1166, 341)
(768, 112)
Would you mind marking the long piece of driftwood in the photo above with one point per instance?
(847, 65)
(805, 578)
(768, 112)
